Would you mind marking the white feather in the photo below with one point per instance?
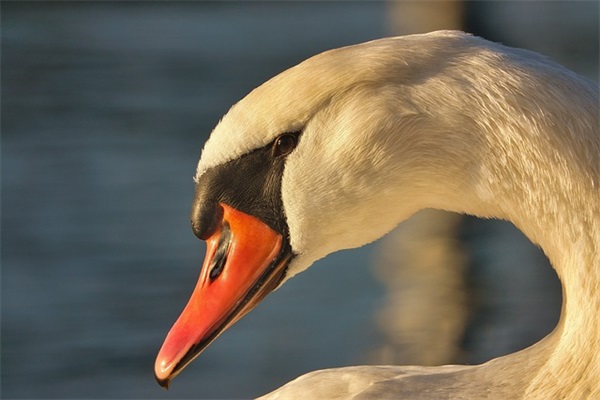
(450, 121)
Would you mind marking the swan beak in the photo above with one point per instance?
(245, 260)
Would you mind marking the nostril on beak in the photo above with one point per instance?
(220, 257)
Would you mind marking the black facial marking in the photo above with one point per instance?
(250, 183)
(208, 216)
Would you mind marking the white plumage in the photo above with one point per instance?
(449, 121)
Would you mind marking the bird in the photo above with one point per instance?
(336, 151)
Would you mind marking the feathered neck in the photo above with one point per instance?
(538, 165)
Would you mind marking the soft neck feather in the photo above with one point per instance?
(527, 149)
(539, 168)
(496, 134)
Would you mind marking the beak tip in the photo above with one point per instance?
(162, 373)
(163, 382)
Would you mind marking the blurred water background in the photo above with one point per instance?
(105, 108)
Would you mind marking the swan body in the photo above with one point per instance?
(346, 145)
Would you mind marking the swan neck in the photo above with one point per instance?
(540, 171)
(550, 189)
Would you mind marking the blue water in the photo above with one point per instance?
(105, 108)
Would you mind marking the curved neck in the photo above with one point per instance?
(541, 171)
(572, 243)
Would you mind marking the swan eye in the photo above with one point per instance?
(284, 144)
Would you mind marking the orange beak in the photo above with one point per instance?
(245, 260)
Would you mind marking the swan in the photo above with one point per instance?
(336, 151)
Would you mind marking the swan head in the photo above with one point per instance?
(318, 159)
